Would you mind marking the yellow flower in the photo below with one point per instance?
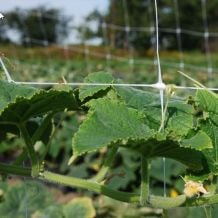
(173, 193)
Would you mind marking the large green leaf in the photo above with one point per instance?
(109, 122)
(131, 118)
(19, 103)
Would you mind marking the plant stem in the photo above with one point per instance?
(30, 149)
(107, 163)
(13, 169)
(144, 181)
(164, 115)
(90, 185)
(192, 79)
(153, 201)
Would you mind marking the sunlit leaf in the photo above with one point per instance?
(109, 122)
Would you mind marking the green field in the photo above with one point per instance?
(50, 64)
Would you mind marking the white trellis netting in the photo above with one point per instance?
(131, 60)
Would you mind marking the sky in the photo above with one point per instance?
(77, 9)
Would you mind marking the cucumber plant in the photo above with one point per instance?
(117, 118)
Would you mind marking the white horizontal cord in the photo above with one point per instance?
(85, 84)
(155, 86)
(162, 29)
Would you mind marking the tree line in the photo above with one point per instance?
(52, 25)
(39, 24)
(186, 14)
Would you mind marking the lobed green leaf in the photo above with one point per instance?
(109, 122)
(19, 103)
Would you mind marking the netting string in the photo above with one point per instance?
(7, 74)
(86, 48)
(127, 31)
(178, 34)
(107, 48)
(161, 86)
(206, 38)
(110, 84)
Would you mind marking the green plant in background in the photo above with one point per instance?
(34, 199)
(126, 122)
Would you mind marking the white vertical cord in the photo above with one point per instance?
(206, 38)
(179, 40)
(157, 44)
(7, 74)
(178, 35)
(26, 31)
(26, 203)
(86, 48)
(127, 31)
(13, 50)
(64, 71)
(152, 31)
(28, 38)
(45, 40)
(107, 46)
(42, 28)
(161, 86)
